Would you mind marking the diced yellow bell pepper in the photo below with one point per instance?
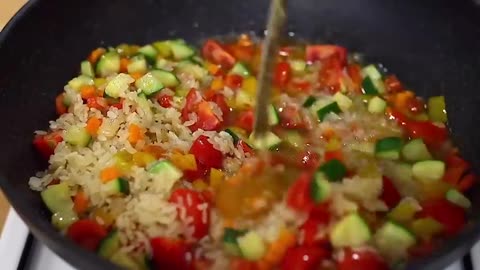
(404, 211)
(99, 82)
(433, 189)
(426, 228)
(143, 159)
(333, 144)
(123, 160)
(217, 83)
(250, 86)
(212, 68)
(184, 162)
(199, 185)
(216, 178)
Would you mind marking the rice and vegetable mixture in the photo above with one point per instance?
(153, 164)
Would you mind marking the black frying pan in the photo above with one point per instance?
(433, 46)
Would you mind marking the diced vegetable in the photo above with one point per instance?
(333, 169)
(86, 233)
(343, 101)
(268, 141)
(426, 228)
(243, 100)
(377, 105)
(405, 210)
(125, 261)
(57, 198)
(298, 66)
(230, 241)
(252, 246)
(168, 79)
(62, 220)
(240, 69)
(137, 64)
(273, 117)
(429, 170)
(320, 187)
(198, 72)
(108, 64)
(294, 138)
(77, 82)
(393, 240)
(163, 48)
(166, 170)
(372, 72)
(118, 85)
(87, 69)
(416, 150)
(436, 109)
(309, 101)
(149, 84)
(350, 231)
(180, 50)
(77, 136)
(234, 135)
(149, 52)
(116, 187)
(456, 197)
(388, 148)
(109, 245)
(326, 110)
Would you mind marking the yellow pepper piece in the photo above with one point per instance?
(426, 228)
(249, 85)
(333, 144)
(123, 160)
(99, 82)
(217, 83)
(216, 178)
(212, 68)
(199, 185)
(142, 159)
(184, 162)
(404, 211)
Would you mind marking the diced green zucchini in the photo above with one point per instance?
(456, 197)
(234, 135)
(137, 64)
(109, 245)
(166, 169)
(268, 141)
(393, 240)
(294, 138)
(240, 69)
(388, 148)
(405, 210)
(364, 147)
(333, 169)
(63, 220)
(252, 246)
(426, 227)
(343, 101)
(230, 241)
(428, 170)
(369, 87)
(309, 102)
(77, 136)
(436, 109)
(118, 85)
(320, 188)
(416, 150)
(168, 79)
(149, 84)
(163, 48)
(117, 186)
(125, 261)
(350, 231)
(298, 66)
(108, 64)
(57, 198)
(87, 69)
(372, 72)
(180, 50)
(273, 117)
(326, 110)
(82, 80)
(198, 72)
(398, 171)
(243, 99)
(149, 52)
(377, 105)
(198, 60)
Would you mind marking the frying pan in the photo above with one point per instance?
(431, 45)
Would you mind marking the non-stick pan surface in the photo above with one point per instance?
(433, 46)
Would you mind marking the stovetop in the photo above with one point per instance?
(19, 250)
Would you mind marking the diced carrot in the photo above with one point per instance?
(402, 100)
(228, 223)
(155, 150)
(212, 68)
(93, 124)
(329, 134)
(124, 64)
(80, 202)
(95, 55)
(279, 247)
(88, 91)
(136, 75)
(109, 173)
(135, 133)
(217, 83)
(59, 104)
(329, 155)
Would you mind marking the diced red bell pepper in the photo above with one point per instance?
(451, 216)
(215, 53)
(282, 74)
(233, 81)
(206, 154)
(309, 160)
(242, 264)
(200, 173)
(304, 258)
(219, 99)
(299, 194)
(192, 202)
(393, 84)
(361, 259)
(206, 118)
(354, 71)
(323, 52)
(60, 104)
(98, 103)
(299, 86)
(331, 73)
(46, 144)
(165, 100)
(243, 53)
(245, 120)
(169, 253)
(337, 154)
(390, 194)
(290, 117)
(245, 147)
(309, 229)
(86, 233)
